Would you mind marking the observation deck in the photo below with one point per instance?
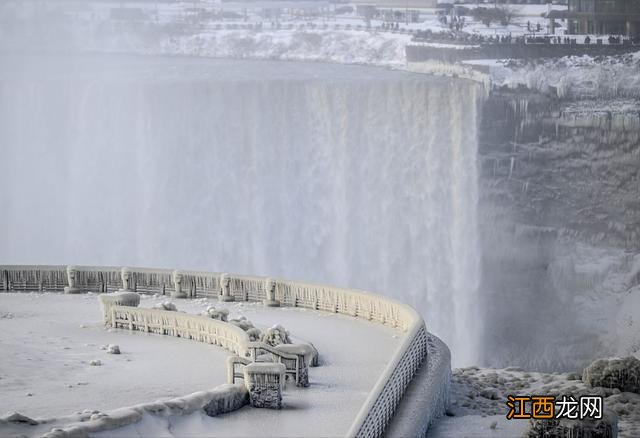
(370, 348)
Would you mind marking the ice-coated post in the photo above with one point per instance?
(72, 274)
(270, 288)
(264, 381)
(125, 274)
(225, 289)
(177, 285)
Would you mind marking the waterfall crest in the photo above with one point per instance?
(344, 175)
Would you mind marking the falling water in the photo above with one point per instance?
(344, 175)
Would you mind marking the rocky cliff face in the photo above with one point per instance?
(560, 229)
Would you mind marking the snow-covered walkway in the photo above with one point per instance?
(48, 341)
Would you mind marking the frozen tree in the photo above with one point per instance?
(275, 335)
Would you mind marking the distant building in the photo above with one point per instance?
(602, 17)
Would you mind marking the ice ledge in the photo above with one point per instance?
(427, 396)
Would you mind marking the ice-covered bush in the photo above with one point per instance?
(554, 427)
(254, 334)
(166, 306)
(242, 322)
(623, 374)
(220, 314)
(247, 326)
(275, 335)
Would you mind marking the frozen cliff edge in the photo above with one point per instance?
(569, 77)
(427, 396)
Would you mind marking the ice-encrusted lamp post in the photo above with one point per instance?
(177, 285)
(125, 275)
(225, 289)
(270, 288)
(72, 274)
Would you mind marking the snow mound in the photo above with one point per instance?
(224, 398)
(470, 407)
(18, 418)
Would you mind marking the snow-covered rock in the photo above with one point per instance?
(623, 374)
(605, 427)
(16, 417)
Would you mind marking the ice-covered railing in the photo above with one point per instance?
(183, 325)
(388, 390)
(33, 277)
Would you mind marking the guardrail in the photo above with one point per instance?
(382, 401)
(182, 325)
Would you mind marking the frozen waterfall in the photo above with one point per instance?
(344, 175)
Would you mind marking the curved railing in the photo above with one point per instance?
(182, 325)
(382, 401)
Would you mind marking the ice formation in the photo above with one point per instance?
(275, 336)
(623, 374)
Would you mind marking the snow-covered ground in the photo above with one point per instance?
(346, 47)
(576, 77)
(479, 397)
(48, 341)
(310, 32)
